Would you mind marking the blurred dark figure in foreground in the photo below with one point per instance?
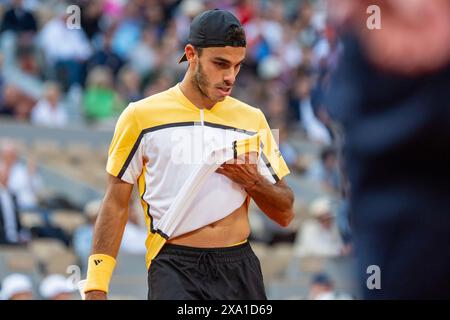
(391, 94)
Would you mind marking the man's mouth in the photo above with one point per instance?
(225, 91)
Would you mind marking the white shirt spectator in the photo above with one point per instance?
(319, 236)
(24, 186)
(315, 240)
(44, 114)
(61, 43)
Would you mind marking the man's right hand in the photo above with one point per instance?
(95, 295)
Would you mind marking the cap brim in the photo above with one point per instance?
(183, 58)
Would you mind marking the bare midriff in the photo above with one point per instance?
(228, 231)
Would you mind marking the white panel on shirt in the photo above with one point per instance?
(174, 153)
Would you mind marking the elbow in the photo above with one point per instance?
(286, 218)
(288, 215)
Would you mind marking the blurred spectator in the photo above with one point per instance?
(144, 57)
(276, 109)
(188, 9)
(18, 19)
(10, 227)
(327, 50)
(56, 287)
(129, 85)
(113, 9)
(169, 51)
(7, 100)
(49, 111)
(82, 237)
(17, 286)
(15, 103)
(65, 49)
(319, 236)
(105, 56)
(91, 14)
(326, 170)
(100, 100)
(315, 129)
(26, 59)
(163, 82)
(305, 26)
(23, 181)
(128, 31)
(154, 17)
(264, 34)
(290, 154)
(322, 288)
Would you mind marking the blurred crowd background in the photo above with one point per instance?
(62, 89)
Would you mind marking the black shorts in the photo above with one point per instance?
(187, 273)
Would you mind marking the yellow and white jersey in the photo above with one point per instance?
(161, 140)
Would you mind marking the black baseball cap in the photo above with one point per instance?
(210, 29)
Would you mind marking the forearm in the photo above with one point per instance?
(109, 228)
(107, 237)
(275, 200)
(112, 218)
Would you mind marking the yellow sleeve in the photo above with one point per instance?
(125, 152)
(274, 164)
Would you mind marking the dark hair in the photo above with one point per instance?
(199, 50)
(236, 35)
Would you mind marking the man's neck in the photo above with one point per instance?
(193, 93)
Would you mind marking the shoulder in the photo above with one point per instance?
(241, 107)
(154, 102)
(150, 111)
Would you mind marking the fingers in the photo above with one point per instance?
(227, 170)
(221, 170)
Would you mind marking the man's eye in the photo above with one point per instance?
(220, 64)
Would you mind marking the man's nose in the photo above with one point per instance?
(229, 77)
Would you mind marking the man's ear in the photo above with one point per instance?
(190, 53)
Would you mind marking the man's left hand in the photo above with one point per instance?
(243, 170)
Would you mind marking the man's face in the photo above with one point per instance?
(216, 69)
